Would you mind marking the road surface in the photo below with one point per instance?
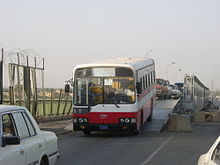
(148, 148)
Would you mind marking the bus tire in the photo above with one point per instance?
(150, 117)
(87, 132)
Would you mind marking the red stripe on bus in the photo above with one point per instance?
(106, 117)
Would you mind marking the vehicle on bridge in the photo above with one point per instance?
(180, 86)
(169, 89)
(114, 94)
(175, 93)
(162, 91)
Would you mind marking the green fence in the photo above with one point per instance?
(54, 105)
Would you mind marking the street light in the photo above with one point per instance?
(148, 53)
(1, 74)
(172, 63)
(179, 70)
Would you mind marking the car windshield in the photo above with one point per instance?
(179, 86)
(174, 87)
(104, 86)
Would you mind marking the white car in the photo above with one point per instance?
(212, 157)
(21, 140)
(175, 93)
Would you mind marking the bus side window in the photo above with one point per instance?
(146, 81)
(151, 77)
(149, 83)
(139, 87)
(154, 76)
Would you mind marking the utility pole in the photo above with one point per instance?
(1, 77)
(148, 53)
(172, 63)
(212, 90)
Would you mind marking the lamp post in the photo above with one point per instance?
(148, 53)
(1, 73)
(172, 63)
(1, 76)
(179, 70)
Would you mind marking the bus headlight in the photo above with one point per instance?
(122, 120)
(80, 120)
(133, 120)
(127, 120)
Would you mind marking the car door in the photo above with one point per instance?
(30, 140)
(10, 154)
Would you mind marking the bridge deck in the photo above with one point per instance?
(160, 114)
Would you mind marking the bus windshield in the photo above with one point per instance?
(102, 85)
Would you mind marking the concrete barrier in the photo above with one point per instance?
(179, 123)
(69, 127)
(201, 117)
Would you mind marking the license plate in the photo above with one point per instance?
(103, 127)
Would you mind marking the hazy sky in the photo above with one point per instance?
(71, 32)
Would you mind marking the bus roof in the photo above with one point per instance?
(134, 62)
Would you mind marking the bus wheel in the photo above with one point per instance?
(87, 132)
(150, 117)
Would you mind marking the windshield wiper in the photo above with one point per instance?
(114, 102)
(89, 106)
(116, 105)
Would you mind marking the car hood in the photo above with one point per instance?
(175, 91)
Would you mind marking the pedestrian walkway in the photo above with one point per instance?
(160, 115)
(58, 126)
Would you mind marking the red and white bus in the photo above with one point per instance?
(114, 94)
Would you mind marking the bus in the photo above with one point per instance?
(113, 95)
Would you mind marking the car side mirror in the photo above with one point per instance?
(10, 140)
(67, 88)
(139, 87)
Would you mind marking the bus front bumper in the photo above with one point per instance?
(104, 127)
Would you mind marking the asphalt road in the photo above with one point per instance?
(148, 148)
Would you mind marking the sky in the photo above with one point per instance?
(71, 32)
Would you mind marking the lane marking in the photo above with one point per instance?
(157, 151)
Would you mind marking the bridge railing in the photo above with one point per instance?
(196, 94)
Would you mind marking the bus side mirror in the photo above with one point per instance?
(67, 88)
(139, 87)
